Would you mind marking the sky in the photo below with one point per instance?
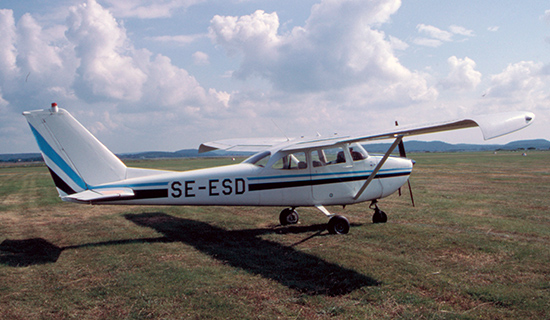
(167, 75)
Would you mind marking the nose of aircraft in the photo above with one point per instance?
(406, 163)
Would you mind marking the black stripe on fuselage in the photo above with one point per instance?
(303, 183)
(141, 194)
(150, 194)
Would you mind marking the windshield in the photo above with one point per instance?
(259, 159)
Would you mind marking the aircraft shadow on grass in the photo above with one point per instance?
(241, 249)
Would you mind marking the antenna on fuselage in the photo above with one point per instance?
(275, 123)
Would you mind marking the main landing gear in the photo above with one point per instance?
(288, 216)
(336, 224)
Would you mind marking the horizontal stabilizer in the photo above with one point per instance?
(100, 194)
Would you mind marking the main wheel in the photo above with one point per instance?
(338, 225)
(379, 216)
(288, 216)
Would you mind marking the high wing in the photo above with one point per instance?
(492, 126)
(241, 145)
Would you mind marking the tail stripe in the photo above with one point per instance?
(60, 184)
(56, 158)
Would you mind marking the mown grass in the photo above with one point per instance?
(475, 246)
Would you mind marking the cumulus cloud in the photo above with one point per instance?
(520, 81)
(397, 44)
(33, 61)
(338, 47)
(248, 34)
(336, 70)
(106, 66)
(168, 85)
(462, 76)
(200, 58)
(90, 61)
(8, 53)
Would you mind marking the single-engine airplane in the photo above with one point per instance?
(317, 172)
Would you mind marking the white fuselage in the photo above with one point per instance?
(249, 184)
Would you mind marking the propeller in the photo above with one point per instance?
(403, 154)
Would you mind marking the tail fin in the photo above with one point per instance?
(76, 159)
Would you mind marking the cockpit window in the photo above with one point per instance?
(259, 159)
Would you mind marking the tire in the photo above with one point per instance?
(379, 216)
(288, 216)
(338, 225)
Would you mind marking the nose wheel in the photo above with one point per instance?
(379, 216)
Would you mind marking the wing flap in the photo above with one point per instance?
(100, 194)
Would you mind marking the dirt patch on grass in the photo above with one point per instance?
(471, 260)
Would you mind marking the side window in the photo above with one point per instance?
(291, 161)
(318, 158)
(327, 156)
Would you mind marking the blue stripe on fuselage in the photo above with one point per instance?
(313, 182)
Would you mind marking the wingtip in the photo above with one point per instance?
(500, 124)
(529, 117)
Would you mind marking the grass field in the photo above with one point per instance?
(476, 246)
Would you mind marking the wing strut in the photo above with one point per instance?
(397, 141)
